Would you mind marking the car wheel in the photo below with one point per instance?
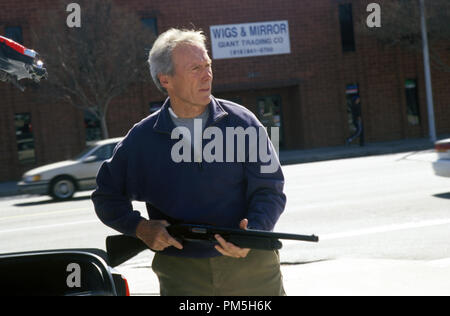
(62, 188)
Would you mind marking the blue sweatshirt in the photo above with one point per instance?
(220, 192)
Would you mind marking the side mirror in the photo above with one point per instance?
(90, 159)
(58, 272)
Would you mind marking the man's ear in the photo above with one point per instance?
(163, 80)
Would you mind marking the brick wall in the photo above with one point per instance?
(312, 78)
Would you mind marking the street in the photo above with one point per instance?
(379, 207)
(389, 206)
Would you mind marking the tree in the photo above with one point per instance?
(92, 64)
(401, 26)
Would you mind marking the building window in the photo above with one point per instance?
(14, 33)
(93, 127)
(269, 114)
(151, 24)
(24, 138)
(347, 32)
(412, 102)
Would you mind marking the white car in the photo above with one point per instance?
(62, 179)
(441, 166)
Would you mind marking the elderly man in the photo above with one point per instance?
(225, 192)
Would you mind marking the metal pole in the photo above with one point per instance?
(426, 63)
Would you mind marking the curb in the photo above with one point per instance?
(9, 189)
(342, 152)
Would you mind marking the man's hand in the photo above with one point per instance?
(228, 249)
(154, 234)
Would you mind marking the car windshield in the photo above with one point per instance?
(84, 152)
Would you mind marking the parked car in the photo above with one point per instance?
(441, 166)
(62, 179)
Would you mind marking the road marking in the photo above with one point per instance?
(44, 227)
(385, 228)
(387, 196)
(440, 263)
(43, 214)
(332, 236)
(375, 230)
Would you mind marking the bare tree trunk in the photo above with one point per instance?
(104, 126)
(83, 71)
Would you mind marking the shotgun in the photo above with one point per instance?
(121, 248)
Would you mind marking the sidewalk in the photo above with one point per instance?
(368, 277)
(339, 152)
(309, 155)
(339, 277)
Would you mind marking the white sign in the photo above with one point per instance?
(250, 39)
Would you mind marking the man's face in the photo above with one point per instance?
(191, 82)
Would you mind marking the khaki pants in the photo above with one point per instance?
(256, 275)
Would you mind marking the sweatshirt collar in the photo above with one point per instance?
(165, 124)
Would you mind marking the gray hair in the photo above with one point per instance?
(160, 56)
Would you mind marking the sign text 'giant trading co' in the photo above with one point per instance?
(250, 39)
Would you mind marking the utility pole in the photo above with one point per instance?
(426, 63)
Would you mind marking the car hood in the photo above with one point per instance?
(51, 167)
